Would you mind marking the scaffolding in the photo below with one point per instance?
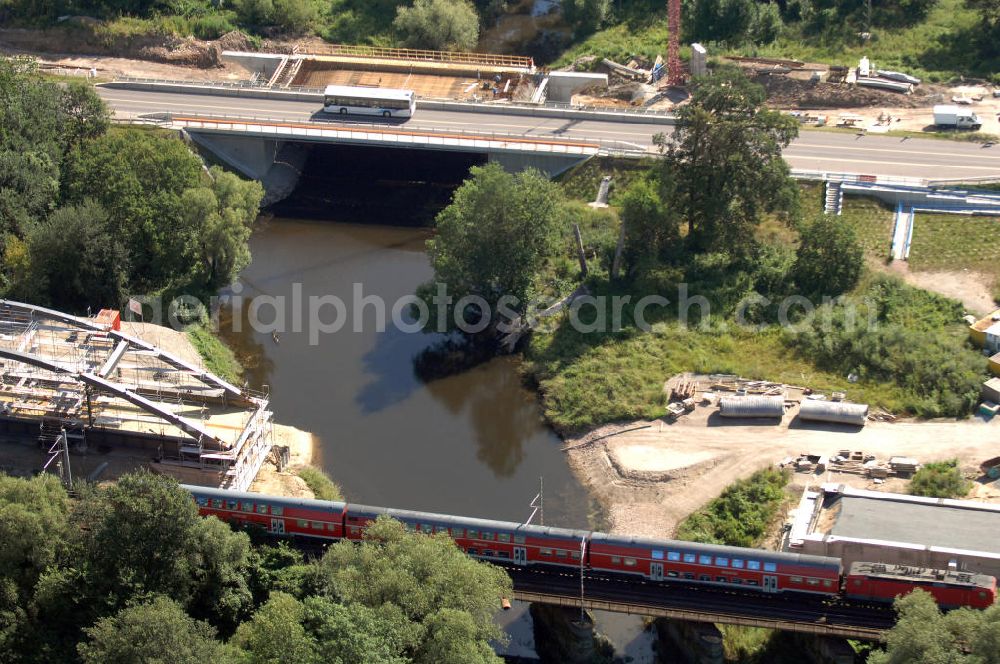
(64, 373)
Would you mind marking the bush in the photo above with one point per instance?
(212, 26)
(320, 484)
(829, 258)
(941, 479)
(295, 15)
(450, 25)
(742, 514)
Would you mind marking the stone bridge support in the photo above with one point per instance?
(275, 163)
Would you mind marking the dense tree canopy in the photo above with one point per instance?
(448, 25)
(724, 163)
(494, 238)
(829, 259)
(923, 635)
(130, 574)
(90, 214)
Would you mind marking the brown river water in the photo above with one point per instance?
(472, 444)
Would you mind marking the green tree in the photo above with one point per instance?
(988, 34)
(586, 16)
(923, 635)
(84, 114)
(356, 634)
(156, 631)
(450, 25)
(444, 599)
(650, 229)
(724, 167)
(939, 479)
(221, 219)
(495, 236)
(766, 24)
(726, 21)
(829, 259)
(294, 15)
(76, 260)
(139, 177)
(143, 536)
(276, 635)
(33, 529)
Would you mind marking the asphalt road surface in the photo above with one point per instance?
(813, 150)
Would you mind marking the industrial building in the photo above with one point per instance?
(872, 526)
(84, 387)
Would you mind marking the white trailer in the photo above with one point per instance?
(957, 117)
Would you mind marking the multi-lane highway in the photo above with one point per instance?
(813, 150)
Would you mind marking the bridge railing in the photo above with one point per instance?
(611, 148)
(419, 55)
(252, 86)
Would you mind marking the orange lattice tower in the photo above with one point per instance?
(675, 70)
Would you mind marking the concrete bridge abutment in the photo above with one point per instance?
(275, 163)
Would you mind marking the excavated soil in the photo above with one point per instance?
(788, 92)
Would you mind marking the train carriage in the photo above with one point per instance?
(277, 515)
(950, 589)
(768, 571)
(504, 541)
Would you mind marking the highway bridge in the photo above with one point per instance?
(814, 150)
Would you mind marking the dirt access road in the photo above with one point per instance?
(649, 479)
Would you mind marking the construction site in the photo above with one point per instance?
(79, 393)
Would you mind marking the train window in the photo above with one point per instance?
(737, 563)
(796, 579)
(753, 564)
(657, 555)
(246, 507)
(355, 530)
(261, 508)
(302, 523)
(704, 560)
(231, 505)
(277, 511)
(689, 557)
(486, 536)
(473, 534)
(689, 576)
(721, 562)
(488, 553)
(518, 539)
(547, 552)
(630, 562)
(217, 503)
(202, 501)
(426, 528)
(674, 556)
(503, 554)
(503, 537)
(458, 532)
(317, 525)
(704, 577)
(560, 553)
(751, 582)
(720, 579)
(737, 581)
(827, 583)
(412, 527)
(331, 527)
(982, 595)
(673, 575)
(472, 552)
(575, 555)
(615, 560)
(770, 567)
(812, 582)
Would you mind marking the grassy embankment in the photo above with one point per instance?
(586, 379)
(218, 357)
(320, 483)
(742, 516)
(936, 49)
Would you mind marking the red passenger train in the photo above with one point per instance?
(656, 560)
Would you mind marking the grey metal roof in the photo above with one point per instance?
(917, 523)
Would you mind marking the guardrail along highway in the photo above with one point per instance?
(813, 150)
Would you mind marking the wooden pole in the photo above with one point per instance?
(579, 249)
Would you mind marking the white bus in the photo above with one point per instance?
(386, 102)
